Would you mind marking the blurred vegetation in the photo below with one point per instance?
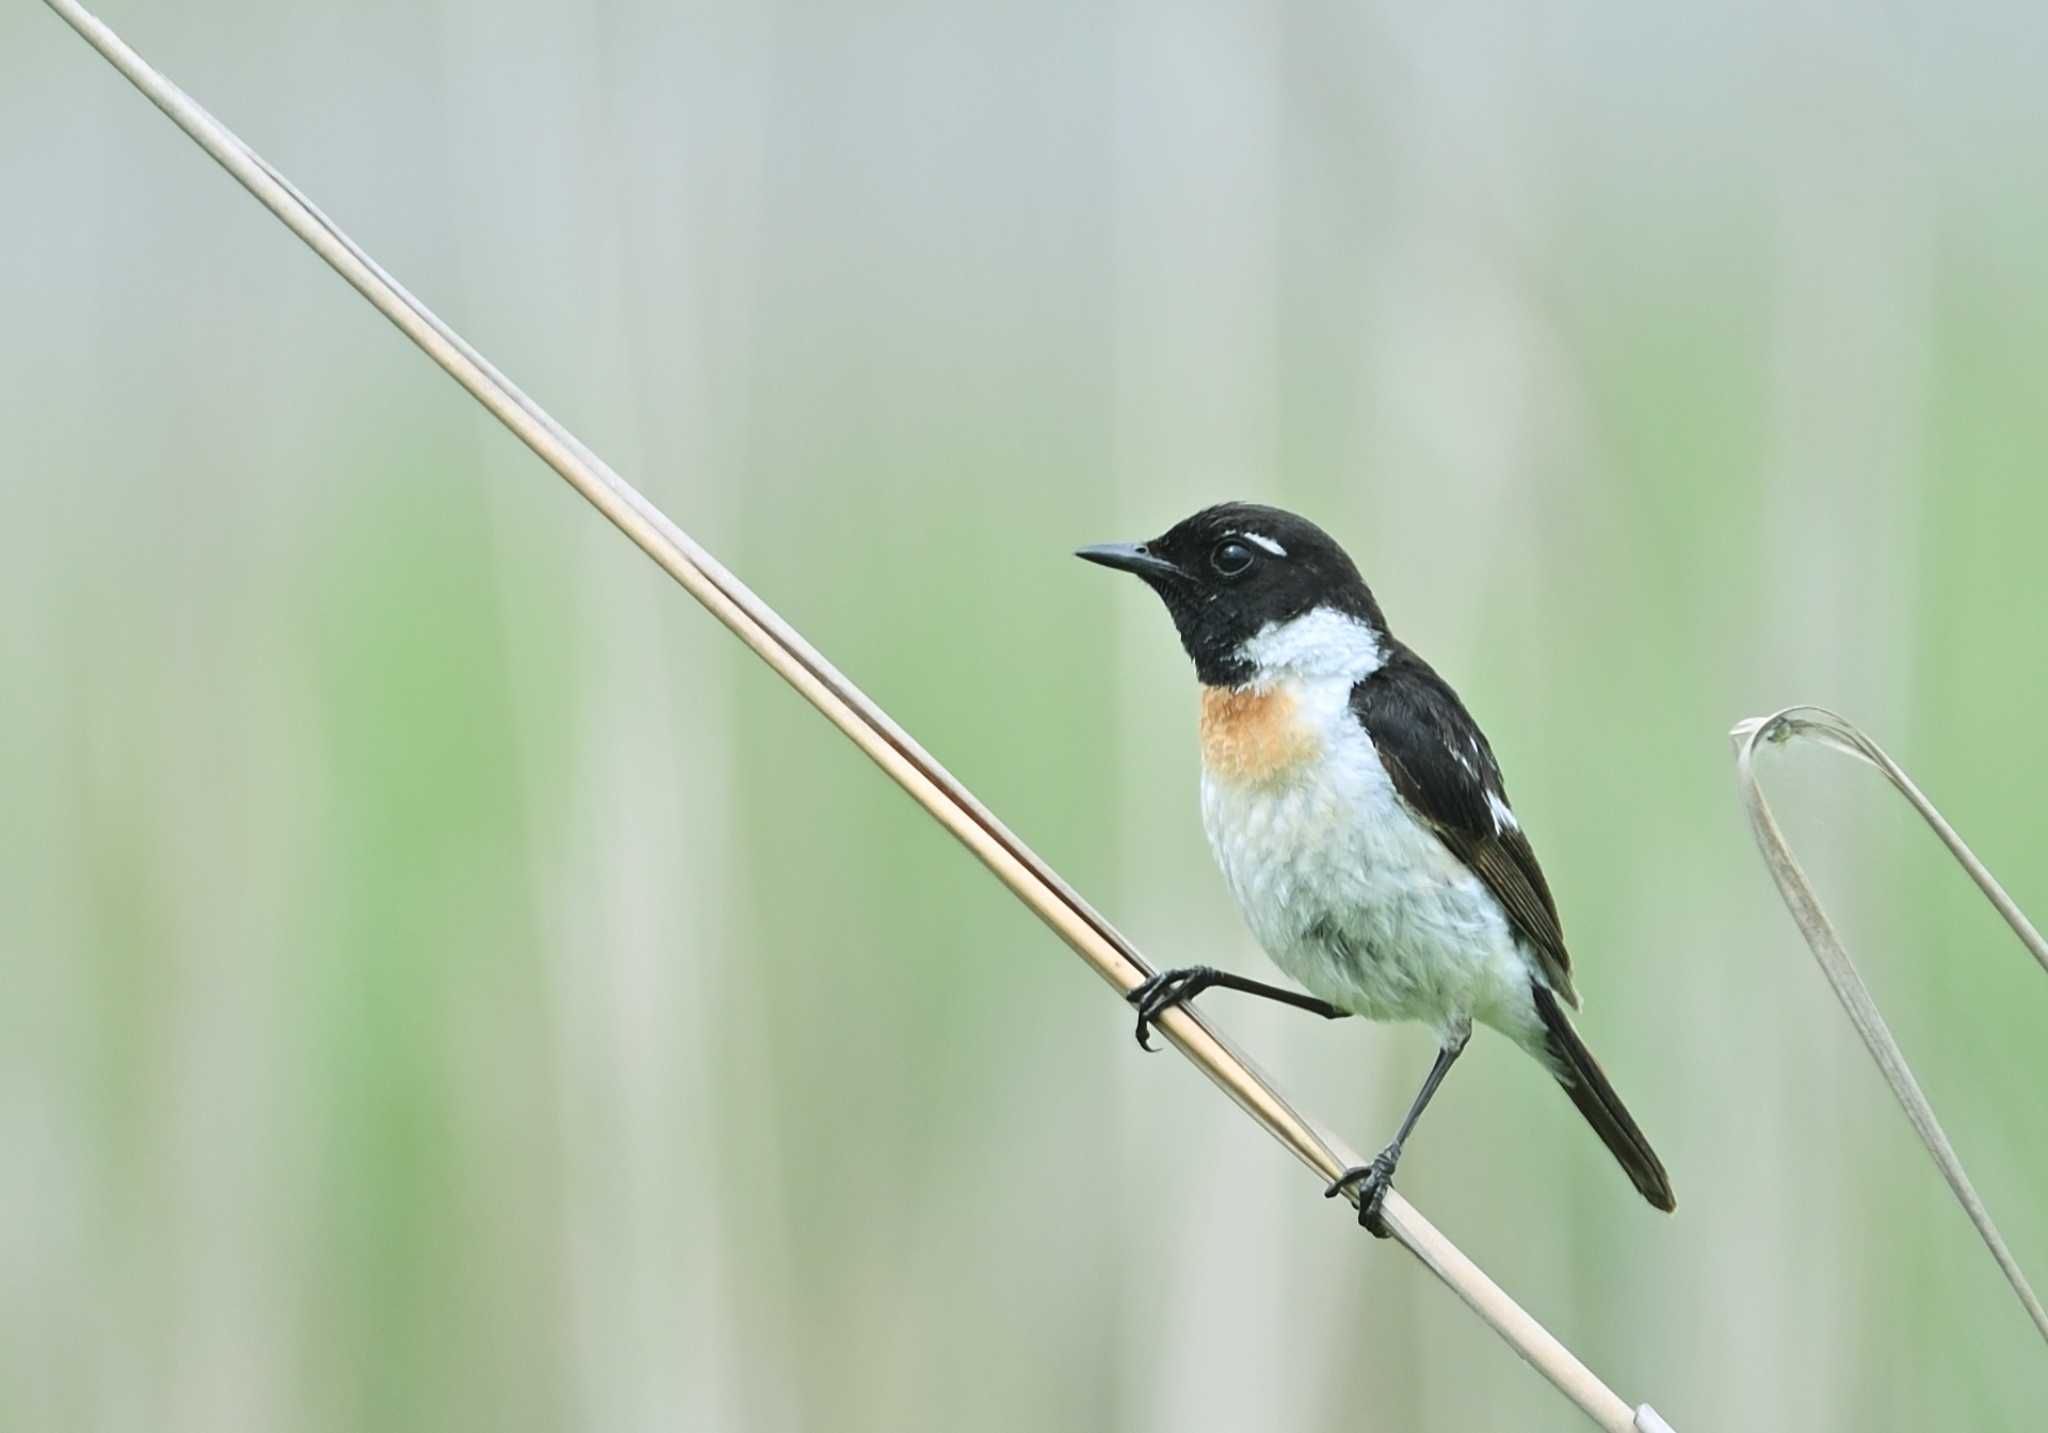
(445, 983)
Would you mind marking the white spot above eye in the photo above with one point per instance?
(1266, 542)
(1503, 818)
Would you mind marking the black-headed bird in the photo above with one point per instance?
(1360, 820)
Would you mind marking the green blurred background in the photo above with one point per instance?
(445, 983)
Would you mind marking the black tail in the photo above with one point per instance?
(1586, 1083)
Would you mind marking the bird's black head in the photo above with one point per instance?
(1231, 571)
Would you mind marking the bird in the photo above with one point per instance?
(1360, 821)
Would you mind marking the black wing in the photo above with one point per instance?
(1443, 768)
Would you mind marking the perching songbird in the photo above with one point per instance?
(1360, 820)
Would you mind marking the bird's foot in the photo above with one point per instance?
(1164, 991)
(1372, 1181)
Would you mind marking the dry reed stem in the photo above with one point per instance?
(908, 764)
(1823, 726)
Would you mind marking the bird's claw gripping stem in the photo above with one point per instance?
(1372, 1181)
(1164, 991)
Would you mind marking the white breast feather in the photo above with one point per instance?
(1345, 890)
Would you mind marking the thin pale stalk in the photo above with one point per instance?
(865, 724)
(1825, 727)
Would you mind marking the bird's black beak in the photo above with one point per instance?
(1129, 557)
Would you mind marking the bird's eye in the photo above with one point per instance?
(1231, 558)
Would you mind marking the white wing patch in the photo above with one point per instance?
(1503, 819)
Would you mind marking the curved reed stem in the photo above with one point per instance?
(1824, 727)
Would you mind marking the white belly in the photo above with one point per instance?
(1352, 897)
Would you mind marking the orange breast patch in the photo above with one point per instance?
(1253, 737)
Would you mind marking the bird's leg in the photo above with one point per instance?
(1175, 987)
(1375, 1179)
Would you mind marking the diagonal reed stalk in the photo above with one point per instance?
(949, 803)
(1826, 729)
